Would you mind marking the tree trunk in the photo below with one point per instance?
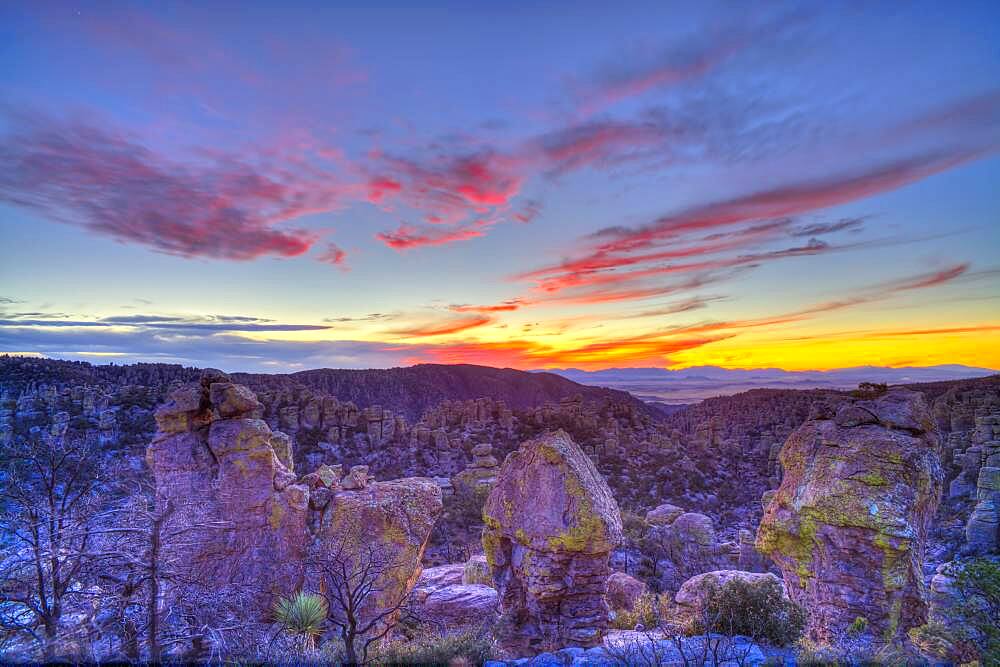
(153, 608)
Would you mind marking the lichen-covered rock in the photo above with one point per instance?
(663, 515)
(386, 523)
(847, 526)
(551, 523)
(228, 480)
(624, 590)
(477, 571)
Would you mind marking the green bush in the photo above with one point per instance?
(469, 646)
(647, 610)
(976, 612)
(757, 609)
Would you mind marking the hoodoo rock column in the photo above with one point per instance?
(551, 524)
(848, 525)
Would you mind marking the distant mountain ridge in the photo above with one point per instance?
(689, 385)
(414, 389)
(410, 390)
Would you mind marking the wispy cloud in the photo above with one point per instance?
(442, 327)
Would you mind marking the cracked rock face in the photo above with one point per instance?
(229, 480)
(847, 526)
(551, 523)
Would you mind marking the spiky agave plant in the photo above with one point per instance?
(302, 615)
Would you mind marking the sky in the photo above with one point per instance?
(281, 186)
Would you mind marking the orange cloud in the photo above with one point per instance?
(442, 328)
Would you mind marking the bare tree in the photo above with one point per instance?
(146, 543)
(49, 503)
(358, 580)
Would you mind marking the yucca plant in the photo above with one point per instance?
(302, 615)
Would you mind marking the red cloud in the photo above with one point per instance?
(379, 187)
(505, 306)
(756, 218)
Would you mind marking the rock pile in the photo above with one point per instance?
(551, 523)
(848, 525)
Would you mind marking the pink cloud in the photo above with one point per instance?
(333, 254)
(226, 208)
(406, 237)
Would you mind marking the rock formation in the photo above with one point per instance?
(218, 466)
(983, 529)
(848, 525)
(481, 473)
(551, 523)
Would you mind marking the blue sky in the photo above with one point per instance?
(803, 185)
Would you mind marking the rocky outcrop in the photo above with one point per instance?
(551, 523)
(848, 525)
(982, 532)
(218, 466)
(215, 467)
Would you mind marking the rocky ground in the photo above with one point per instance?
(813, 486)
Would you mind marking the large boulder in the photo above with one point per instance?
(551, 524)
(663, 515)
(458, 605)
(848, 525)
(624, 590)
(383, 527)
(689, 545)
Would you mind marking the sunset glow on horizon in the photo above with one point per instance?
(795, 186)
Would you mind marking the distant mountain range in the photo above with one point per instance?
(690, 385)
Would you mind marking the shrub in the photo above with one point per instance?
(648, 610)
(756, 609)
(870, 390)
(302, 615)
(938, 641)
(976, 610)
(468, 646)
(858, 626)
